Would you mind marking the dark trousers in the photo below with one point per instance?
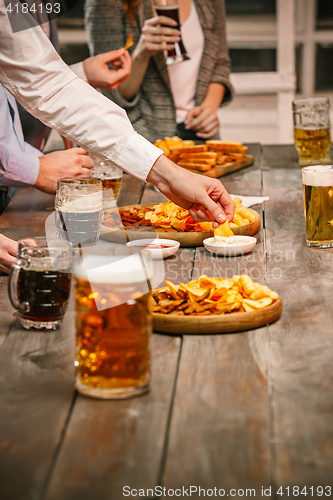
(186, 135)
(4, 199)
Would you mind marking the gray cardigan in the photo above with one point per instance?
(152, 110)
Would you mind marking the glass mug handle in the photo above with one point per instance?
(22, 307)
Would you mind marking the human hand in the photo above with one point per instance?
(69, 163)
(8, 253)
(204, 197)
(100, 76)
(155, 37)
(204, 120)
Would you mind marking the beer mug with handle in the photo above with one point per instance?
(39, 284)
(113, 325)
(78, 215)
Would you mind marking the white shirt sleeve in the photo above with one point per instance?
(79, 71)
(37, 77)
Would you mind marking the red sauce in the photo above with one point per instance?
(155, 246)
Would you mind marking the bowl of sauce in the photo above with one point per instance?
(159, 248)
(230, 246)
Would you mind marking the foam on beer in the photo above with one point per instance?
(318, 175)
(83, 204)
(114, 270)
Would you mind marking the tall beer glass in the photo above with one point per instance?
(113, 326)
(111, 177)
(312, 132)
(78, 205)
(318, 205)
(39, 284)
(170, 8)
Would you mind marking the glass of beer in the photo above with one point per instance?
(111, 177)
(39, 284)
(318, 205)
(113, 325)
(312, 131)
(169, 8)
(78, 210)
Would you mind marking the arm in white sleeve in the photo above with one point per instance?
(36, 76)
(78, 69)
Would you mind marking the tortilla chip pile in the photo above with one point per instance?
(202, 157)
(206, 296)
(170, 217)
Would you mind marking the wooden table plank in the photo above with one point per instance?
(220, 427)
(301, 342)
(36, 377)
(131, 190)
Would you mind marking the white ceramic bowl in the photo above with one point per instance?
(156, 253)
(246, 243)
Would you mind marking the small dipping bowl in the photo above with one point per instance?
(164, 248)
(244, 244)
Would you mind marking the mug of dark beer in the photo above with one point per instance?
(39, 284)
(78, 215)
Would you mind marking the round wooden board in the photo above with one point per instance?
(189, 239)
(222, 323)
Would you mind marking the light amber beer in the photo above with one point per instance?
(312, 132)
(313, 144)
(318, 205)
(113, 184)
(113, 329)
(111, 177)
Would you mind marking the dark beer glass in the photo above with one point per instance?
(39, 284)
(169, 8)
(78, 215)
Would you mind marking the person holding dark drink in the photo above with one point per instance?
(165, 100)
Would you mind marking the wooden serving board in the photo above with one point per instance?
(217, 323)
(220, 170)
(186, 239)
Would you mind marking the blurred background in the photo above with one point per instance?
(278, 49)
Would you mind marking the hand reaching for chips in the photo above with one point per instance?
(206, 296)
(171, 217)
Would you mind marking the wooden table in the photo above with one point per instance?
(235, 411)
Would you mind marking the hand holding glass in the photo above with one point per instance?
(169, 8)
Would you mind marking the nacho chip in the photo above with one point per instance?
(258, 304)
(129, 42)
(223, 229)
